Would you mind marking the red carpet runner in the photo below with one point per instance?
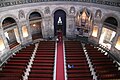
(60, 60)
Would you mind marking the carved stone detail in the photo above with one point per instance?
(72, 10)
(21, 14)
(47, 10)
(98, 14)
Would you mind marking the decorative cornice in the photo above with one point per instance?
(18, 2)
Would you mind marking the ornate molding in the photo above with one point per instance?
(72, 10)
(18, 2)
(47, 10)
(21, 14)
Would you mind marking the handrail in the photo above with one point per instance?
(18, 2)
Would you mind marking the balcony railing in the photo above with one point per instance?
(17, 2)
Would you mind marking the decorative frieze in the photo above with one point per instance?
(17, 2)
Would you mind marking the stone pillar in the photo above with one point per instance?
(95, 40)
(70, 26)
(6, 51)
(99, 32)
(27, 39)
(47, 28)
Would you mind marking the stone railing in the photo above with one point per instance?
(17, 2)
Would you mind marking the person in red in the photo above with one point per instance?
(59, 38)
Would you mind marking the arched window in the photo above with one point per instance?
(11, 32)
(117, 46)
(8, 22)
(111, 22)
(108, 32)
(35, 21)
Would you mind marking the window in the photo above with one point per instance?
(107, 37)
(17, 35)
(25, 32)
(95, 31)
(2, 46)
(7, 36)
(118, 43)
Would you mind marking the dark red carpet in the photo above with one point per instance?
(60, 59)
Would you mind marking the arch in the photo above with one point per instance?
(111, 20)
(59, 8)
(86, 10)
(110, 15)
(60, 14)
(108, 31)
(11, 16)
(34, 10)
(12, 35)
(8, 21)
(85, 15)
(34, 15)
(35, 20)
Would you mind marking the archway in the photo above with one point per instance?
(11, 32)
(35, 21)
(60, 22)
(108, 32)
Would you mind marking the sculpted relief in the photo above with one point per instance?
(21, 14)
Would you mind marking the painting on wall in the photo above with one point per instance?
(2, 46)
(95, 31)
(24, 31)
(118, 43)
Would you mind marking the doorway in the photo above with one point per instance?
(60, 22)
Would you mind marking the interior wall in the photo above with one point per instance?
(47, 9)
